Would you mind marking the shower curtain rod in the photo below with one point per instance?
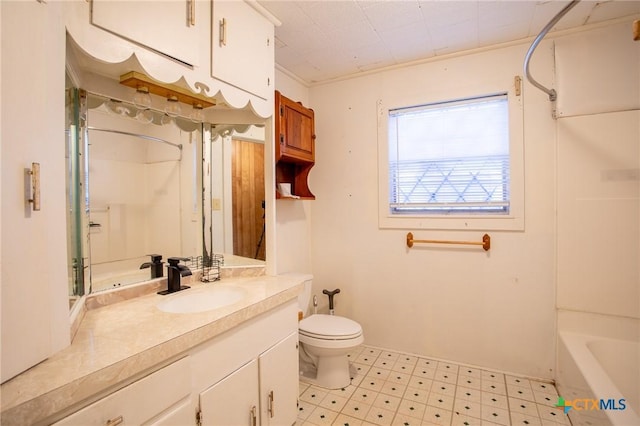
(553, 95)
(151, 138)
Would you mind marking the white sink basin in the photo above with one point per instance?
(201, 300)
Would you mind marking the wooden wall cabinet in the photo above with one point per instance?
(295, 145)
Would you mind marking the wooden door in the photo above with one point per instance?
(248, 199)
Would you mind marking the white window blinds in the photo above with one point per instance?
(450, 158)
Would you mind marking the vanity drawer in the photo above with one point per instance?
(140, 401)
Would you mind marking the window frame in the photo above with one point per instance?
(514, 220)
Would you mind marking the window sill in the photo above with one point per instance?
(457, 223)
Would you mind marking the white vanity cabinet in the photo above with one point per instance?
(174, 28)
(161, 398)
(261, 392)
(253, 368)
(279, 383)
(242, 50)
(234, 400)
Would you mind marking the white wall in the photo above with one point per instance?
(494, 310)
(293, 217)
(599, 183)
(35, 310)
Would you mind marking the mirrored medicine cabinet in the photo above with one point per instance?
(142, 182)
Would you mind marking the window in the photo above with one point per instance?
(452, 164)
(450, 158)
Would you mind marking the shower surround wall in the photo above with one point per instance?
(599, 183)
(495, 309)
(136, 190)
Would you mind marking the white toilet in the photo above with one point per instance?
(325, 341)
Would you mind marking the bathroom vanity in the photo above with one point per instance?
(233, 364)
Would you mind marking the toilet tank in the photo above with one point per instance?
(304, 298)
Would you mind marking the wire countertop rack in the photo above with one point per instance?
(209, 265)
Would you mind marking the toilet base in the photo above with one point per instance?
(332, 372)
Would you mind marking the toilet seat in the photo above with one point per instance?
(329, 327)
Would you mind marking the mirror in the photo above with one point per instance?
(141, 185)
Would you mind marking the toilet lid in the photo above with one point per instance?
(329, 325)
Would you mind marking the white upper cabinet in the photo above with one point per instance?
(242, 52)
(171, 28)
(179, 42)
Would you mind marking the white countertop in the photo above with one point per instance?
(121, 340)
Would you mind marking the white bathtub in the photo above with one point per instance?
(599, 368)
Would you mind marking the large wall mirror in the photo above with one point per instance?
(142, 182)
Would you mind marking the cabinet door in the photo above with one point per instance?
(242, 50)
(169, 27)
(233, 401)
(295, 131)
(279, 382)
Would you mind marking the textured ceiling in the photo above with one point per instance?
(323, 40)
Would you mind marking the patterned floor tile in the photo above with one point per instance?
(416, 394)
(388, 402)
(356, 409)
(520, 392)
(524, 407)
(545, 398)
(552, 414)
(322, 416)
(437, 416)
(412, 408)
(333, 402)
(468, 394)
(467, 408)
(344, 420)
(461, 419)
(304, 409)
(494, 387)
(495, 415)
(389, 388)
(404, 420)
(380, 416)
(493, 400)
(444, 402)
(394, 389)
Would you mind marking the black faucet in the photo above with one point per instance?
(174, 272)
(155, 265)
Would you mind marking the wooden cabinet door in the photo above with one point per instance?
(295, 131)
(233, 401)
(279, 383)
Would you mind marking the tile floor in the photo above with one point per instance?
(392, 388)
